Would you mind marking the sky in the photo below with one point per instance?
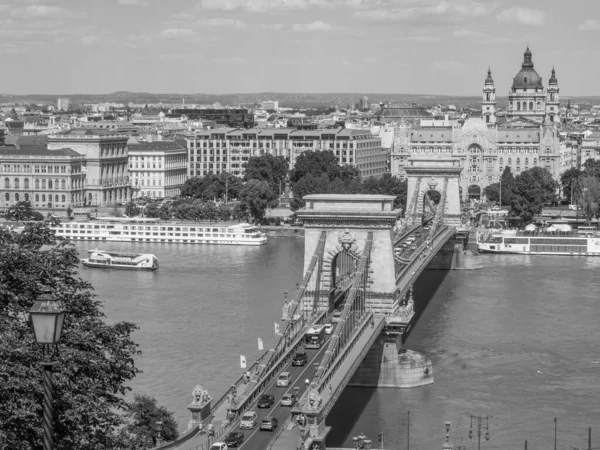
(315, 46)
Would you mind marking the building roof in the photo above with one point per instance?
(527, 77)
(86, 132)
(156, 146)
(36, 139)
(431, 134)
(37, 151)
(401, 111)
(489, 79)
(518, 135)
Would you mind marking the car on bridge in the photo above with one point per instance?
(284, 379)
(218, 446)
(269, 424)
(337, 315)
(328, 328)
(265, 401)
(234, 439)
(300, 359)
(288, 400)
(249, 420)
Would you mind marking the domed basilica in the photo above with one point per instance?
(485, 147)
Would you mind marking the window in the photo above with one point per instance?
(37, 183)
(43, 197)
(510, 161)
(6, 183)
(526, 162)
(501, 162)
(535, 161)
(518, 161)
(64, 198)
(62, 184)
(16, 183)
(531, 106)
(7, 197)
(37, 197)
(26, 183)
(17, 197)
(518, 106)
(56, 198)
(49, 184)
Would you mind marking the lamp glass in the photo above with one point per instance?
(47, 318)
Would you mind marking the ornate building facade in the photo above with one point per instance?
(483, 147)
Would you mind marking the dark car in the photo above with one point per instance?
(266, 401)
(268, 423)
(300, 359)
(234, 439)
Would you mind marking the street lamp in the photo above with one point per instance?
(47, 318)
(159, 437)
(479, 424)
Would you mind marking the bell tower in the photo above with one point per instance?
(488, 104)
(552, 100)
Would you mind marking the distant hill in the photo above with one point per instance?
(306, 100)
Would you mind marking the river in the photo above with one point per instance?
(517, 341)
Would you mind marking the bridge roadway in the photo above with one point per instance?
(255, 439)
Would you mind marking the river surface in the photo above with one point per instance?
(517, 342)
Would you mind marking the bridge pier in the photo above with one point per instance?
(459, 253)
(389, 365)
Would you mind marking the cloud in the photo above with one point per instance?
(172, 33)
(447, 65)
(133, 2)
(279, 5)
(589, 25)
(411, 10)
(523, 16)
(221, 22)
(313, 26)
(40, 11)
(231, 60)
(462, 32)
(273, 26)
(87, 40)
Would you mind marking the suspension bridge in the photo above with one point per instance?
(362, 258)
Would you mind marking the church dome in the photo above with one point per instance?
(527, 78)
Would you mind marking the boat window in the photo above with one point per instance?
(126, 227)
(192, 229)
(148, 228)
(215, 230)
(177, 229)
(154, 228)
(170, 229)
(184, 229)
(81, 226)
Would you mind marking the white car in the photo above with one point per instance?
(328, 328)
(337, 315)
(218, 446)
(284, 379)
(249, 420)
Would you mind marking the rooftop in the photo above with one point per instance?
(156, 146)
(37, 151)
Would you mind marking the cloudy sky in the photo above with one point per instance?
(361, 46)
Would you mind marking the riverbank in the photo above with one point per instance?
(283, 232)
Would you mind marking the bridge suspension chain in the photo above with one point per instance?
(411, 212)
(344, 327)
(279, 340)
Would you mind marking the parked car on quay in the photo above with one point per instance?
(268, 423)
(218, 446)
(265, 401)
(249, 420)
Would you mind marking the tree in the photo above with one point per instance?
(308, 184)
(152, 210)
(508, 186)
(533, 189)
(386, 185)
(589, 198)
(256, 196)
(492, 192)
(132, 210)
(145, 421)
(95, 362)
(568, 182)
(315, 163)
(592, 168)
(20, 212)
(13, 114)
(269, 168)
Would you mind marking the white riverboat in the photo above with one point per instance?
(543, 244)
(101, 259)
(118, 229)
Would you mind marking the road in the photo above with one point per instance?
(256, 439)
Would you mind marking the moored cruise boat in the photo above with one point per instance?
(120, 261)
(119, 229)
(543, 244)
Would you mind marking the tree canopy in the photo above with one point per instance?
(212, 187)
(145, 422)
(269, 168)
(95, 361)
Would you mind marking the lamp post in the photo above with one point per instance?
(479, 420)
(47, 318)
(159, 437)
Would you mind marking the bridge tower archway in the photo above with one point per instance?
(424, 175)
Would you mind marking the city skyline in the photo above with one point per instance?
(250, 46)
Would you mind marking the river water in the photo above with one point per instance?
(517, 341)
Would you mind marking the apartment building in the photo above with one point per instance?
(227, 149)
(51, 180)
(157, 169)
(107, 180)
